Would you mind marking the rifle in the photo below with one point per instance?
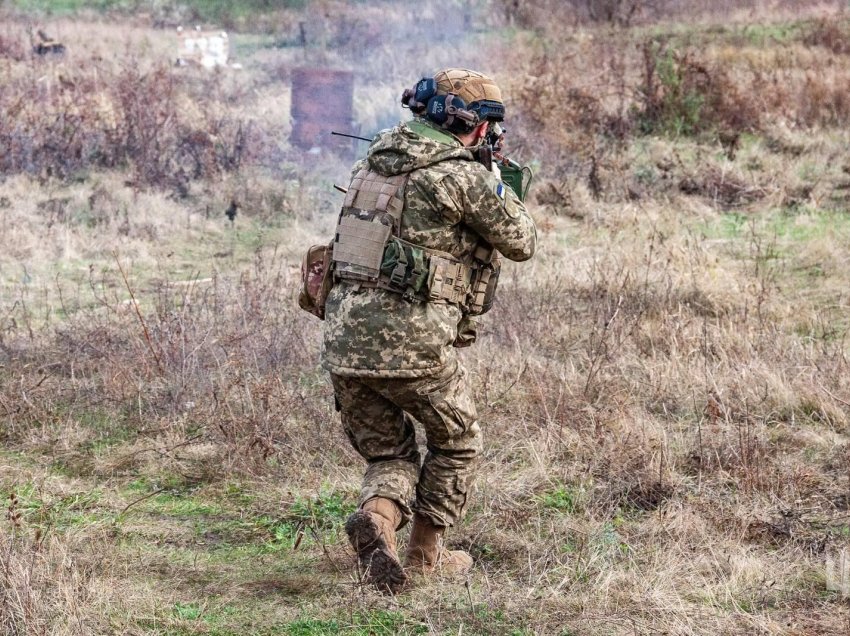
(513, 174)
(339, 134)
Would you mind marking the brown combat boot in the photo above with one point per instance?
(426, 553)
(371, 531)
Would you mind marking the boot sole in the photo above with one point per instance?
(381, 568)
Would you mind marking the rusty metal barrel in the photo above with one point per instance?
(322, 101)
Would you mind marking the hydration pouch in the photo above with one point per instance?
(316, 279)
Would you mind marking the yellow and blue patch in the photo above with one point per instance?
(500, 190)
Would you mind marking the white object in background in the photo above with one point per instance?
(203, 48)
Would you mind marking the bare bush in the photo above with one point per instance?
(542, 15)
(539, 15)
(830, 34)
(145, 121)
(612, 11)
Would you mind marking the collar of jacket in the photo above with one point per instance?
(424, 129)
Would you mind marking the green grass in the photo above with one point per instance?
(222, 521)
(106, 428)
(760, 35)
(810, 224)
(311, 627)
(182, 506)
(249, 43)
(490, 620)
(769, 34)
(109, 430)
(285, 536)
(164, 481)
(40, 510)
(229, 619)
(197, 617)
(568, 499)
(326, 510)
(803, 225)
(840, 531)
(375, 623)
(187, 611)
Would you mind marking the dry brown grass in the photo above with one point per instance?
(49, 584)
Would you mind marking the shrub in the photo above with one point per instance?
(680, 94)
(145, 121)
(829, 34)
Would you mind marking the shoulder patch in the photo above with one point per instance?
(500, 191)
(513, 207)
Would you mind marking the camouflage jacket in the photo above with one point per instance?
(451, 203)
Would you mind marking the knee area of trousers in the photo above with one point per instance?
(467, 445)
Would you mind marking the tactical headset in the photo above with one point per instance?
(449, 111)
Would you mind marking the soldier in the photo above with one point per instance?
(416, 254)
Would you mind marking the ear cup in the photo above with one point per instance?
(425, 89)
(437, 111)
(449, 111)
(416, 98)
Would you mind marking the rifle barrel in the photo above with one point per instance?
(339, 134)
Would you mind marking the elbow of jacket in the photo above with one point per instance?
(522, 254)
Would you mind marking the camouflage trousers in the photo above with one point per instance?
(378, 416)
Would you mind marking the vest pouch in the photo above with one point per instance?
(406, 267)
(417, 270)
(394, 263)
(448, 280)
(482, 292)
(316, 279)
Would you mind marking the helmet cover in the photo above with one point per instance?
(480, 93)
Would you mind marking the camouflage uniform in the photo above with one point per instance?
(392, 361)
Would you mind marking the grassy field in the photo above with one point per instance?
(664, 389)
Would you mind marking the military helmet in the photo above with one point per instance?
(480, 93)
(456, 99)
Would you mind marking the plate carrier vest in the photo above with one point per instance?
(368, 250)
